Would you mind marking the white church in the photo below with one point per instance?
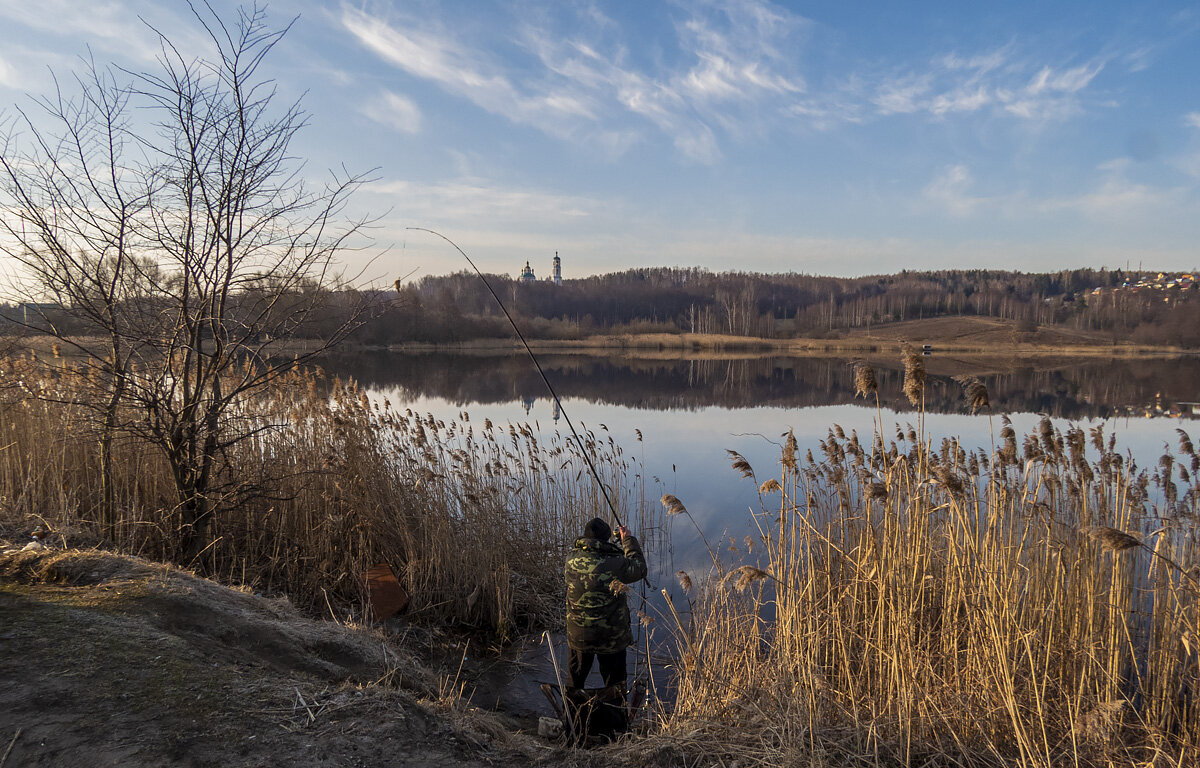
(527, 275)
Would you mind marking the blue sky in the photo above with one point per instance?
(821, 137)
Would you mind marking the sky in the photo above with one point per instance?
(837, 138)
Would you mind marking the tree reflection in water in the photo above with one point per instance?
(1065, 388)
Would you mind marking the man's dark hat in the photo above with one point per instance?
(597, 529)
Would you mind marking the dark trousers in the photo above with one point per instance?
(612, 667)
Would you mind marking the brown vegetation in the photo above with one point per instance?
(914, 604)
(329, 485)
(960, 335)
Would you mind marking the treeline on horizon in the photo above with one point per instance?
(458, 306)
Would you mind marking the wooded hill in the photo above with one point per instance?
(1146, 308)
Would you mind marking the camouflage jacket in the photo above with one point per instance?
(598, 616)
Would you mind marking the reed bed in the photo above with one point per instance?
(1031, 603)
(474, 517)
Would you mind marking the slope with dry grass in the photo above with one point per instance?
(111, 660)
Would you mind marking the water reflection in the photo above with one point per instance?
(690, 411)
(1065, 388)
(675, 419)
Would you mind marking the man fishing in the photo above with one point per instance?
(597, 611)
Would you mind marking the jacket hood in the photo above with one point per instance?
(596, 545)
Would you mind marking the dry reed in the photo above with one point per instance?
(864, 379)
(913, 604)
(914, 375)
(475, 519)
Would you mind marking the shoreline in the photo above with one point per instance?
(687, 345)
(668, 346)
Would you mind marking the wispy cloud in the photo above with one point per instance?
(903, 95)
(395, 111)
(437, 57)
(997, 80)
(733, 71)
(1192, 119)
(950, 190)
(1112, 196)
(107, 20)
(738, 52)
(732, 65)
(8, 75)
(115, 27)
(481, 201)
(1115, 197)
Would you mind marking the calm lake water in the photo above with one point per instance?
(691, 411)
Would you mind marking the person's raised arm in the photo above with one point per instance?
(634, 565)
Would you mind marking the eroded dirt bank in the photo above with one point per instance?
(112, 660)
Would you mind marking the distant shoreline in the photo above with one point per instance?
(651, 345)
(959, 336)
(953, 335)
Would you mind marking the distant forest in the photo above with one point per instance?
(1144, 308)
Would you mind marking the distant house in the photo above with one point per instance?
(33, 314)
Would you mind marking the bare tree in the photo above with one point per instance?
(190, 245)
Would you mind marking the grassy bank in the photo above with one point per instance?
(1035, 602)
(328, 484)
(943, 340)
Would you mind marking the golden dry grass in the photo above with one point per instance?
(473, 517)
(912, 604)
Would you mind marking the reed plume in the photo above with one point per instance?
(1112, 539)
(864, 379)
(673, 505)
(976, 391)
(927, 600)
(914, 374)
(740, 463)
(745, 576)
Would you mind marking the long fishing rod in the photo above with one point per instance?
(579, 441)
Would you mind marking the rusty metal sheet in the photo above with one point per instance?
(386, 596)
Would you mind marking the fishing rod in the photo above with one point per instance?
(578, 440)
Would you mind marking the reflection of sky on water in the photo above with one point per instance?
(685, 450)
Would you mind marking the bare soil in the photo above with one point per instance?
(112, 660)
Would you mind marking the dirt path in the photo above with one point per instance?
(110, 660)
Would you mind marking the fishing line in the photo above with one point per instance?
(578, 440)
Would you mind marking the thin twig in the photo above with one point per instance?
(311, 717)
(12, 743)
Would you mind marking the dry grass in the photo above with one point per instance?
(911, 604)
(473, 517)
